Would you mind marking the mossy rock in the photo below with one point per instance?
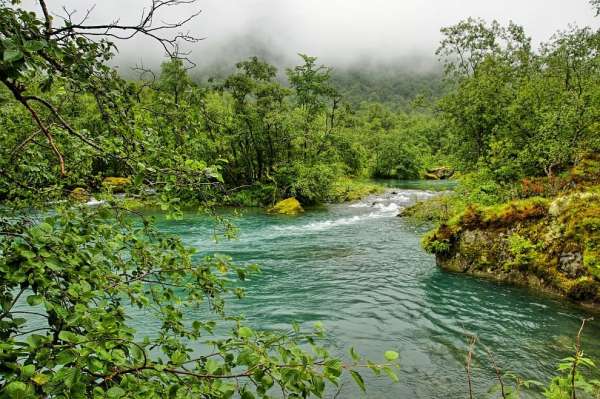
(439, 173)
(133, 203)
(116, 184)
(584, 289)
(79, 194)
(288, 206)
(547, 243)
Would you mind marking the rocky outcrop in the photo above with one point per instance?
(552, 244)
(289, 206)
(439, 173)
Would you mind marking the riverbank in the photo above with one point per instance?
(254, 196)
(546, 242)
(266, 195)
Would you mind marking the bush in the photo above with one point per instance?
(310, 184)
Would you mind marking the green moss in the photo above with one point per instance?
(134, 203)
(523, 252)
(436, 209)
(435, 245)
(584, 289)
(591, 258)
(439, 241)
(474, 216)
(515, 211)
(587, 171)
(346, 189)
(116, 184)
(289, 206)
(552, 243)
(79, 194)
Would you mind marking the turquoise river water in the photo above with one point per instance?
(360, 270)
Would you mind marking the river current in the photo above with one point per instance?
(359, 269)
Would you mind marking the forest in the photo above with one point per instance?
(94, 165)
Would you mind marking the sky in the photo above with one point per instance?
(339, 32)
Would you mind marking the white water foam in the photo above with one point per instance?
(359, 205)
(94, 202)
(328, 224)
(387, 205)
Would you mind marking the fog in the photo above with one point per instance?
(339, 32)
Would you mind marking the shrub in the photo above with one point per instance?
(309, 183)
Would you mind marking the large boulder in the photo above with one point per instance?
(79, 194)
(288, 206)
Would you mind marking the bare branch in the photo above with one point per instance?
(47, 18)
(468, 366)
(145, 27)
(497, 370)
(577, 358)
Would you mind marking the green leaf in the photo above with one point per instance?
(295, 327)
(178, 357)
(211, 365)
(27, 370)
(34, 45)
(68, 336)
(391, 374)
(390, 356)
(34, 300)
(245, 332)
(40, 379)
(359, 380)
(28, 254)
(355, 356)
(115, 393)
(66, 357)
(18, 390)
(247, 395)
(12, 55)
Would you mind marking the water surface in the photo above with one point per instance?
(359, 269)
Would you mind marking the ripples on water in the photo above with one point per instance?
(360, 270)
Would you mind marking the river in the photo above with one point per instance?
(360, 270)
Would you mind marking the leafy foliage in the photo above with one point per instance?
(71, 282)
(516, 111)
(74, 278)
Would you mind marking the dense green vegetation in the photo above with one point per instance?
(524, 125)
(520, 125)
(71, 275)
(262, 138)
(516, 112)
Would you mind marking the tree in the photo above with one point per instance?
(71, 275)
(514, 110)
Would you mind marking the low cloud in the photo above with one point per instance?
(339, 32)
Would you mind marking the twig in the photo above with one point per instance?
(497, 370)
(578, 356)
(472, 341)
